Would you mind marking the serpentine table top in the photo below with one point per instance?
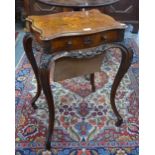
(72, 23)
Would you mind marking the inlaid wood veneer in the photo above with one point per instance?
(72, 23)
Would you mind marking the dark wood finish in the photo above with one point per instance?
(78, 3)
(92, 81)
(80, 42)
(97, 26)
(87, 41)
(126, 11)
(33, 7)
(45, 81)
(27, 43)
(19, 10)
(42, 7)
(27, 7)
(127, 55)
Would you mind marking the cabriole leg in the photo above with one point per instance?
(124, 66)
(92, 81)
(45, 81)
(27, 43)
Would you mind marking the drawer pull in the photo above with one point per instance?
(104, 37)
(87, 40)
(69, 44)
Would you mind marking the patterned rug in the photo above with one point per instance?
(85, 122)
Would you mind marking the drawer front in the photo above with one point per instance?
(37, 8)
(86, 41)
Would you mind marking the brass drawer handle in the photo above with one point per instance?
(87, 40)
(104, 37)
(69, 44)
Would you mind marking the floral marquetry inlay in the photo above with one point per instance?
(72, 23)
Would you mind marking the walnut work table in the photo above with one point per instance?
(73, 44)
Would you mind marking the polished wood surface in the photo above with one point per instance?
(72, 23)
(27, 44)
(67, 33)
(126, 11)
(84, 41)
(79, 3)
(75, 30)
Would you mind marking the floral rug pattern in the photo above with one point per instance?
(85, 122)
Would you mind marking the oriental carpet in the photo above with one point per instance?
(85, 122)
